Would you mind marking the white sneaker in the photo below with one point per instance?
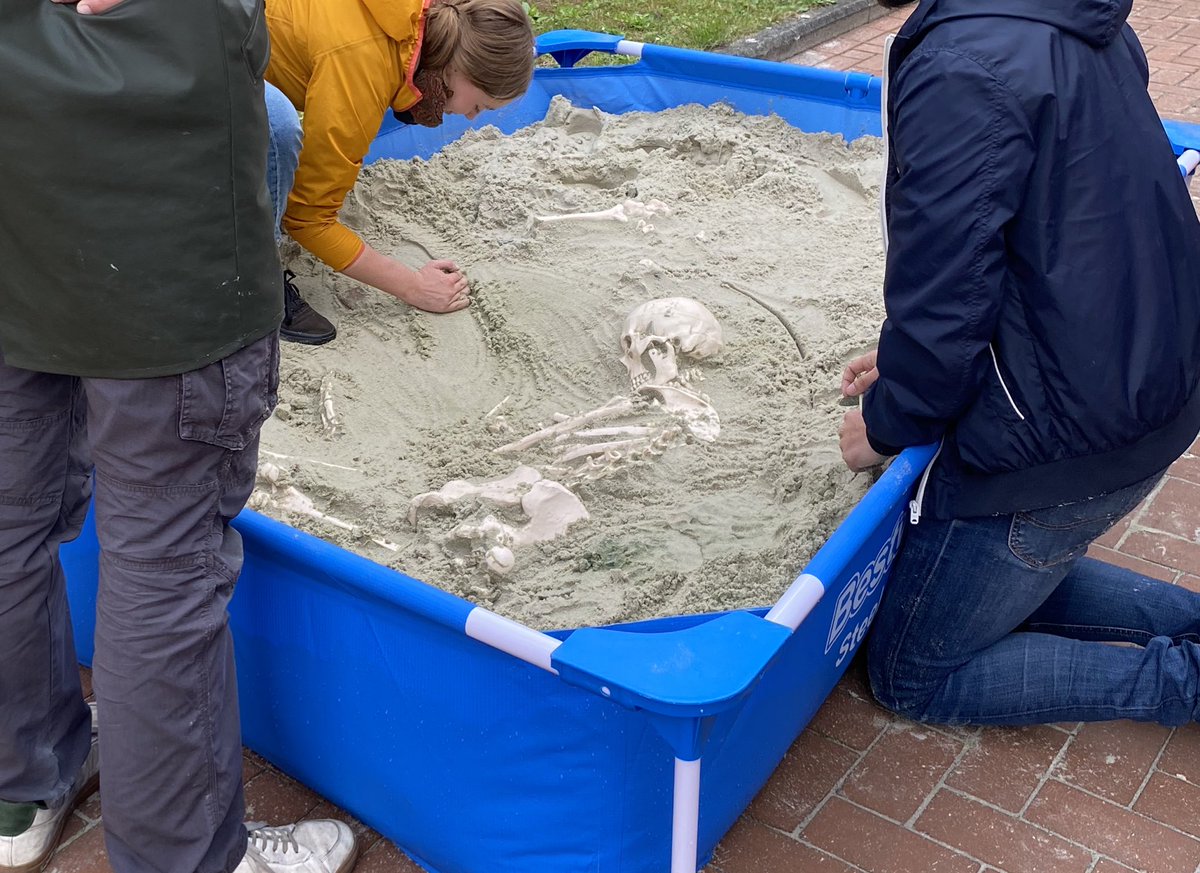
(319, 846)
(30, 850)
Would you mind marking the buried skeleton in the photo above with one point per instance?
(637, 416)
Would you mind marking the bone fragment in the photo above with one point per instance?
(623, 212)
(630, 430)
(280, 457)
(294, 500)
(329, 419)
(268, 474)
(550, 507)
(697, 413)
(617, 213)
(491, 529)
(499, 560)
(617, 406)
(491, 413)
(501, 492)
(619, 446)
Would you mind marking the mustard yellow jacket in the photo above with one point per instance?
(343, 63)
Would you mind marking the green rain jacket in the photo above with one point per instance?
(135, 228)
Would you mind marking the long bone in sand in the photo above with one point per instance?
(621, 212)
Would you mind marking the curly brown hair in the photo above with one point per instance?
(488, 41)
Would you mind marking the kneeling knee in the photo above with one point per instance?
(901, 693)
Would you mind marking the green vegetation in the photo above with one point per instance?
(694, 24)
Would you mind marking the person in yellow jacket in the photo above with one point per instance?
(344, 64)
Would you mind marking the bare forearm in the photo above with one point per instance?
(439, 286)
(379, 271)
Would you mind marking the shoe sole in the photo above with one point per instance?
(307, 338)
(39, 864)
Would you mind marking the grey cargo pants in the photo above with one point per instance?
(174, 460)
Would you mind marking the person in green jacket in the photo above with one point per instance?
(140, 300)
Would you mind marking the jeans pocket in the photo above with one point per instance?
(225, 403)
(1051, 536)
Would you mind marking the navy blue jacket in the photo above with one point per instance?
(1043, 268)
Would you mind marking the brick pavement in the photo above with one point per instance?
(1168, 29)
(863, 791)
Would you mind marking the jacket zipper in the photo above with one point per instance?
(1003, 384)
(914, 505)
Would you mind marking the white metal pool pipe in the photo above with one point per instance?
(797, 602)
(510, 636)
(685, 821)
(1188, 161)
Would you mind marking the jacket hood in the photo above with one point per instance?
(1095, 21)
(399, 19)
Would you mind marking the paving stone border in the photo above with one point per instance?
(788, 38)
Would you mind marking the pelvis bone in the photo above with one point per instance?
(550, 508)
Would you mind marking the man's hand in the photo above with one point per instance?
(856, 451)
(859, 375)
(90, 7)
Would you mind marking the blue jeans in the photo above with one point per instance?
(1000, 620)
(283, 152)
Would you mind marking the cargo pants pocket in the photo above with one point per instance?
(225, 403)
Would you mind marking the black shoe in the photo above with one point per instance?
(302, 323)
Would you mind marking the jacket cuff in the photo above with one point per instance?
(882, 448)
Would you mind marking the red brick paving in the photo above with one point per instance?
(862, 791)
(1168, 29)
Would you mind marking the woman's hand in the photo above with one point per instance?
(859, 375)
(439, 286)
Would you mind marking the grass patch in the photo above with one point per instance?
(693, 24)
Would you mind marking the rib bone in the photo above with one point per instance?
(615, 407)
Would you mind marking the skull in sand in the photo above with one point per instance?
(657, 333)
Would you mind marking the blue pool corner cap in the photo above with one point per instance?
(697, 671)
(568, 47)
